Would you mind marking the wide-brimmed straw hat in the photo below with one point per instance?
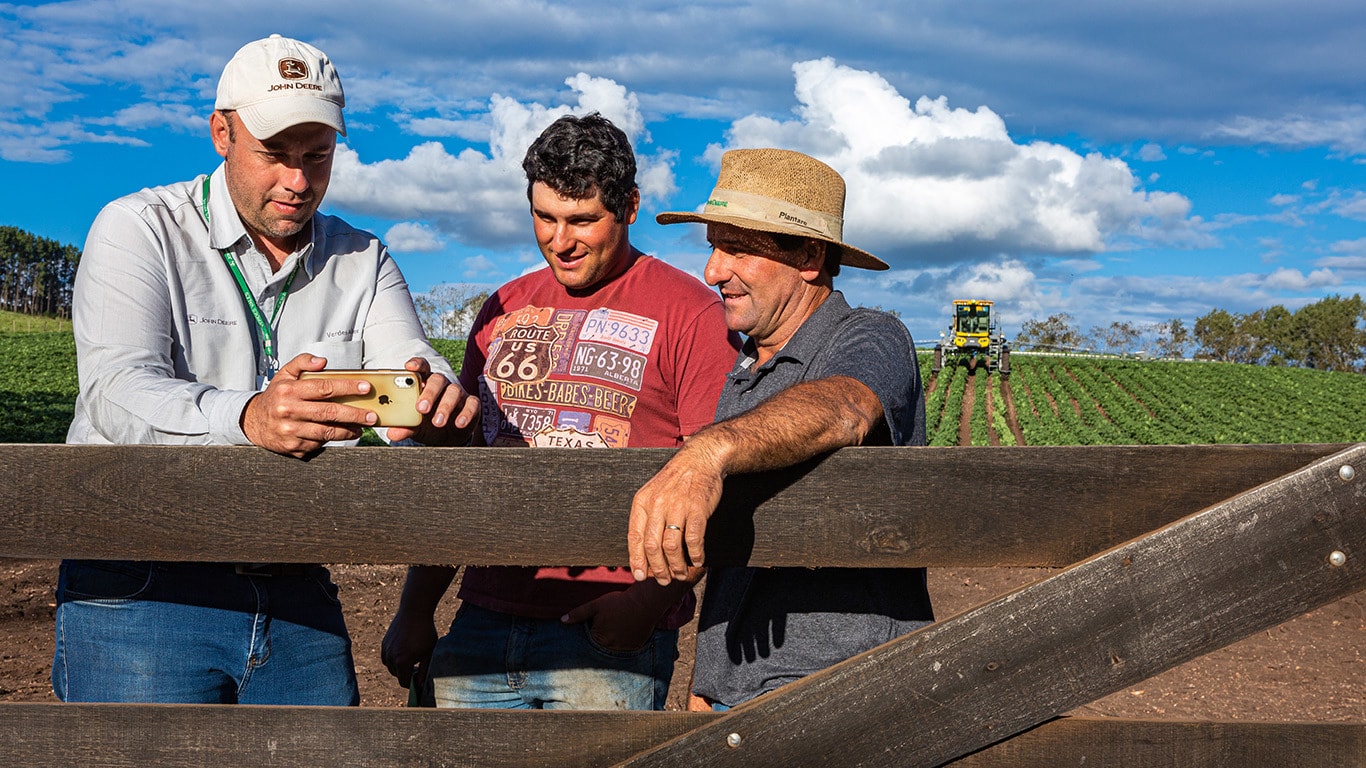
(778, 190)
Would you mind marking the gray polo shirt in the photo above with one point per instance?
(761, 628)
(167, 351)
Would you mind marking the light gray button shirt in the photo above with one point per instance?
(167, 351)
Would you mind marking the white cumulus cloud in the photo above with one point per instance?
(478, 197)
(412, 237)
(1285, 279)
(930, 181)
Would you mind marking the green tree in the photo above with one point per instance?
(1221, 337)
(36, 273)
(447, 310)
(1271, 340)
(1119, 337)
(1332, 333)
(1172, 338)
(1056, 332)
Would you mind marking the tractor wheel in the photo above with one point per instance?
(1003, 363)
(938, 359)
(972, 364)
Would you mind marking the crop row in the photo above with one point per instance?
(1153, 403)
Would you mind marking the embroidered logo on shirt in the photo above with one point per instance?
(199, 320)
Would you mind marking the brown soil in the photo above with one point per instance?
(965, 416)
(1309, 669)
(1012, 414)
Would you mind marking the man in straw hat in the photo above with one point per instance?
(814, 375)
(188, 299)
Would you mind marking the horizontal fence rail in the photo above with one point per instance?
(227, 736)
(859, 507)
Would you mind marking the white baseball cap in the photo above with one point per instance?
(277, 83)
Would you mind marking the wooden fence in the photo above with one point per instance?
(1172, 552)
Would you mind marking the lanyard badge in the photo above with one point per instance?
(266, 329)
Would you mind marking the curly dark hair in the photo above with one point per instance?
(580, 156)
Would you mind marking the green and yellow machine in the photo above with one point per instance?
(973, 337)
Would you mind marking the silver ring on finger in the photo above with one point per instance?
(674, 527)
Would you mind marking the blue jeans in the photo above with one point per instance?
(495, 660)
(199, 633)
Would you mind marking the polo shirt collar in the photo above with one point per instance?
(805, 343)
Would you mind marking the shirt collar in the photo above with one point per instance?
(226, 229)
(809, 337)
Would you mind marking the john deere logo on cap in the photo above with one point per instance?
(293, 69)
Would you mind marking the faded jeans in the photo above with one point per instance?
(188, 633)
(494, 660)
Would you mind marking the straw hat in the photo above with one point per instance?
(778, 190)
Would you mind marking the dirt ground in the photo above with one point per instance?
(1310, 669)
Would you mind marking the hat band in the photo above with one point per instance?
(771, 210)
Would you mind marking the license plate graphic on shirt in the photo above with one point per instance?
(522, 354)
(621, 329)
(567, 437)
(608, 363)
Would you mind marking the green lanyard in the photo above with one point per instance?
(267, 328)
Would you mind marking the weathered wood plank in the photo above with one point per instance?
(1162, 744)
(224, 736)
(875, 507)
(136, 736)
(952, 688)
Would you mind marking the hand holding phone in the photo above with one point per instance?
(393, 393)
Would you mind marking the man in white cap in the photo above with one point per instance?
(814, 375)
(197, 307)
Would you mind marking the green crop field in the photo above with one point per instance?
(1059, 400)
(38, 382)
(1045, 400)
(37, 386)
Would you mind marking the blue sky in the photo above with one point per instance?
(1137, 163)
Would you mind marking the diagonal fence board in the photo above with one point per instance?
(870, 507)
(989, 673)
(224, 736)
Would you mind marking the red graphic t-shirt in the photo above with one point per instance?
(637, 362)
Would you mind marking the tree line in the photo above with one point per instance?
(1329, 335)
(36, 273)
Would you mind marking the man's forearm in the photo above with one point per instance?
(802, 421)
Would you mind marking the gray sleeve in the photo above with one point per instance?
(876, 349)
(123, 319)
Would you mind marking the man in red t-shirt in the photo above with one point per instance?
(608, 348)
